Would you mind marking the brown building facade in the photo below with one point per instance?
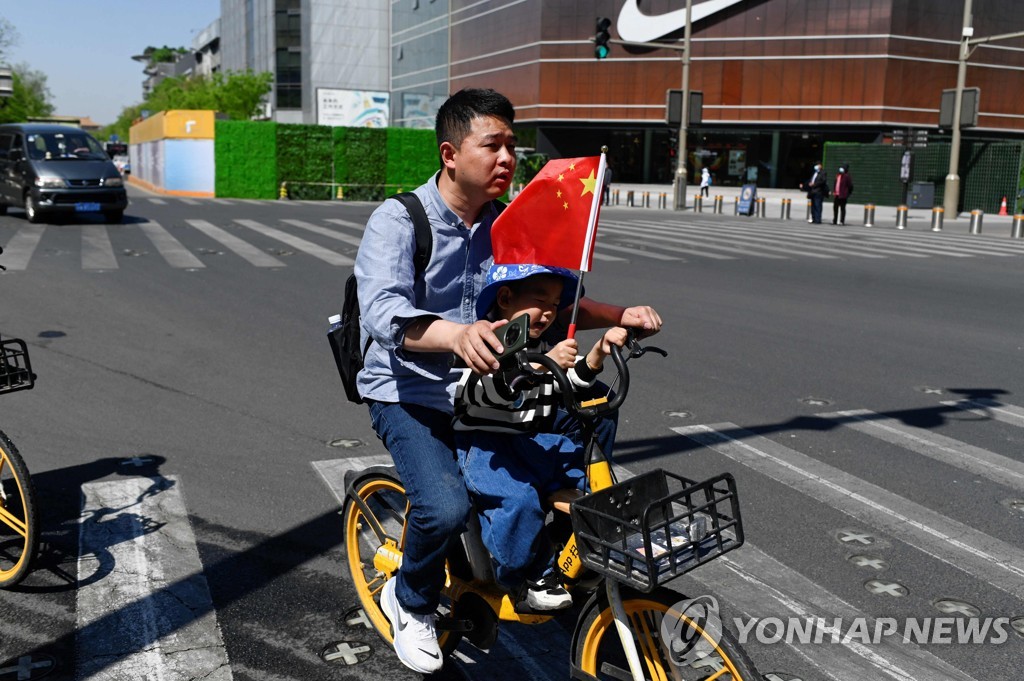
(778, 77)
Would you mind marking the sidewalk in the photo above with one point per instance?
(918, 219)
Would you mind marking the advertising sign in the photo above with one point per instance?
(352, 108)
(748, 195)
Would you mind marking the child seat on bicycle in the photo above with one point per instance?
(510, 457)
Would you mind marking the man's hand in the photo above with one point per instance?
(565, 353)
(476, 345)
(642, 317)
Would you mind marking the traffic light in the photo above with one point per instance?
(601, 37)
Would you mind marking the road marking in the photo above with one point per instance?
(159, 202)
(628, 229)
(97, 253)
(328, 256)
(170, 248)
(816, 240)
(324, 231)
(983, 406)
(869, 561)
(607, 229)
(717, 236)
(22, 245)
(190, 202)
(886, 588)
(757, 585)
(346, 223)
(859, 537)
(653, 255)
(150, 616)
(986, 558)
(995, 467)
(241, 248)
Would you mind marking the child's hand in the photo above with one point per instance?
(613, 336)
(565, 353)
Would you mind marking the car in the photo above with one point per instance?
(54, 170)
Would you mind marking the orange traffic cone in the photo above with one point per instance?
(1002, 208)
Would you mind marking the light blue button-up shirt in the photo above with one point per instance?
(391, 297)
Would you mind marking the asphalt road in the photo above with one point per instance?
(187, 402)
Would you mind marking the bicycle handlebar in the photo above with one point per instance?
(509, 379)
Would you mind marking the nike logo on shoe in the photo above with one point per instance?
(436, 656)
(401, 624)
(635, 26)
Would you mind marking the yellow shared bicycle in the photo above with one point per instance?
(621, 542)
(19, 539)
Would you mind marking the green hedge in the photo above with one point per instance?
(304, 155)
(368, 164)
(245, 154)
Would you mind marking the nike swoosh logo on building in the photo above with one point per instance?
(635, 26)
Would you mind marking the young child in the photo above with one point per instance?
(508, 460)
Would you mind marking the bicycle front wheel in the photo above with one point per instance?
(19, 539)
(374, 542)
(597, 649)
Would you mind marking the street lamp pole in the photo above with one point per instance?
(684, 114)
(951, 199)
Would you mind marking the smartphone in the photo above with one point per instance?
(513, 336)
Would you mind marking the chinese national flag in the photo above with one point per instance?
(547, 223)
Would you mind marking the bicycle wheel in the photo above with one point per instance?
(597, 649)
(19, 538)
(374, 546)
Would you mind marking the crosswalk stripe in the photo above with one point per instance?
(607, 229)
(604, 257)
(760, 586)
(97, 253)
(315, 250)
(22, 245)
(997, 468)
(170, 248)
(716, 236)
(151, 616)
(324, 231)
(190, 202)
(241, 248)
(346, 223)
(983, 406)
(806, 240)
(628, 230)
(159, 202)
(222, 202)
(963, 249)
(986, 558)
(639, 252)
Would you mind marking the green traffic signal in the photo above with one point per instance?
(601, 37)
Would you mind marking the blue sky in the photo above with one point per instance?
(86, 48)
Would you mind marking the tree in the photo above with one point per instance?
(31, 97)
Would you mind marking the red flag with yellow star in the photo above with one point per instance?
(553, 221)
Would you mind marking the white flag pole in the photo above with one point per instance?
(588, 242)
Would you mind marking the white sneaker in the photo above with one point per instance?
(415, 636)
(547, 593)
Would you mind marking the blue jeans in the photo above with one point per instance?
(421, 442)
(816, 203)
(510, 478)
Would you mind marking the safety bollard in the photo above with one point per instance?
(784, 215)
(736, 206)
(718, 204)
(901, 217)
(1018, 227)
(809, 210)
(663, 200)
(937, 215)
(869, 215)
(629, 198)
(283, 193)
(698, 204)
(647, 199)
(976, 217)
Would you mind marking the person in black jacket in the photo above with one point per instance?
(817, 190)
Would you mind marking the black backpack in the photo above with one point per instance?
(344, 337)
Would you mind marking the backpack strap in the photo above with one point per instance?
(421, 225)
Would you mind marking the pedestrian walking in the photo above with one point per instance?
(841, 192)
(606, 191)
(817, 190)
(705, 181)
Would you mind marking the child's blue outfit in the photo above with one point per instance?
(511, 464)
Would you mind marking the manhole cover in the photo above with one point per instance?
(678, 414)
(356, 619)
(951, 607)
(855, 538)
(873, 562)
(928, 390)
(345, 443)
(346, 653)
(27, 668)
(816, 401)
(879, 588)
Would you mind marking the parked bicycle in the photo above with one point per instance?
(621, 542)
(19, 539)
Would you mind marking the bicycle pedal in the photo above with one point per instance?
(453, 624)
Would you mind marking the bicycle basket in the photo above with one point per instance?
(654, 527)
(15, 369)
